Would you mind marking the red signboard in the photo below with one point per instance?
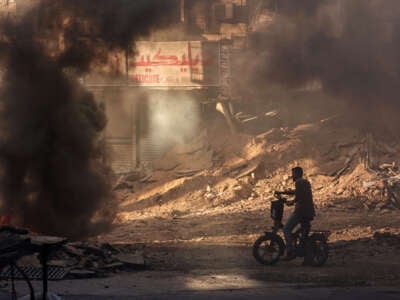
(174, 64)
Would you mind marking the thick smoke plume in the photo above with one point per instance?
(351, 47)
(54, 176)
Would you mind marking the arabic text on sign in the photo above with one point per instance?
(146, 78)
(165, 60)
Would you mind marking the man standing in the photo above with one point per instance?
(304, 211)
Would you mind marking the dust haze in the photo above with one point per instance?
(350, 48)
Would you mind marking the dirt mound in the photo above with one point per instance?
(221, 171)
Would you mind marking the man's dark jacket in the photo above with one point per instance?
(304, 199)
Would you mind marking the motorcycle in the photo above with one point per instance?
(310, 245)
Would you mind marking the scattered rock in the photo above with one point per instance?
(210, 196)
(380, 205)
(243, 190)
(340, 191)
(255, 170)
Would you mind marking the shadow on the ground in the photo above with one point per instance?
(192, 266)
(356, 262)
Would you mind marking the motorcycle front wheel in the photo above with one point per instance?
(268, 248)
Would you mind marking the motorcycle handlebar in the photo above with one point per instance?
(278, 195)
(288, 192)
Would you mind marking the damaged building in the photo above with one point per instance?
(148, 90)
(164, 82)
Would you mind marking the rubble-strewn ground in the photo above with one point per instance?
(209, 219)
(197, 212)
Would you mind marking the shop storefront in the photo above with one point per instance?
(155, 102)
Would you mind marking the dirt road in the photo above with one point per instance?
(364, 246)
(228, 284)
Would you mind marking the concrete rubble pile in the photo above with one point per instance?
(383, 188)
(183, 160)
(81, 259)
(85, 260)
(246, 175)
(358, 168)
(383, 191)
(348, 168)
(187, 159)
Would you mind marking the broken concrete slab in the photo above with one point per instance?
(256, 170)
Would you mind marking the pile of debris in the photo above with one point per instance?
(70, 260)
(183, 160)
(86, 260)
(244, 177)
(128, 180)
(383, 191)
(347, 167)
(187, 159)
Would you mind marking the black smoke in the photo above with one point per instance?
(54, 171)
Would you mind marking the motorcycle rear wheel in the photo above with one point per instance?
(317, 251)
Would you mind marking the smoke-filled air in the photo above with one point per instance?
(55, 176)
(348, 47)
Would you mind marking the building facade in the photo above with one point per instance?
(153, 90)
(167, 77)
